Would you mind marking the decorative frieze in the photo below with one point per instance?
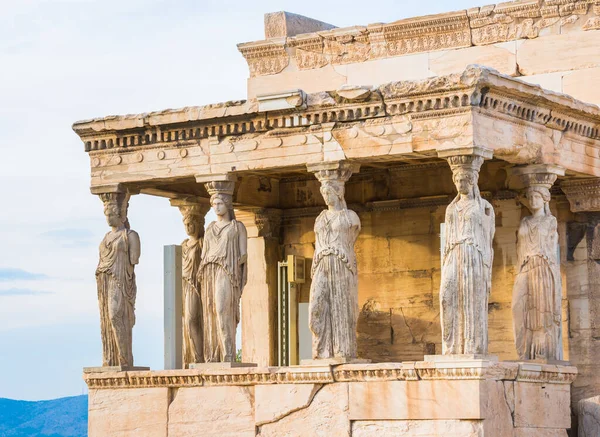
(583, 194)
(380, 372)
(490, 24)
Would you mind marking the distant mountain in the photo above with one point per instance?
(65, 417)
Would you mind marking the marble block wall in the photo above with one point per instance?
(467, 399)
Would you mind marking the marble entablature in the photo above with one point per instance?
(407, 120)
(478, 26)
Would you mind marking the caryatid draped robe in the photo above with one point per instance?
(222, 280)
(117, 291)
(333, 308)
(537, 292)
(192, 344)
(466, 276)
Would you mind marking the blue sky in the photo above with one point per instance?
(69, 60)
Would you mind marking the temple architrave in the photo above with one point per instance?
(438, 175)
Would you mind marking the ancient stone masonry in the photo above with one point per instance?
(430, 285)
(407, 118)
(509, 21)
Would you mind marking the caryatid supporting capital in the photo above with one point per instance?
(466, 159)
(467, 256)
(218, 183)
(334, 171)
(115, 278)
(192, 209)
(333, 307)
(537, 291)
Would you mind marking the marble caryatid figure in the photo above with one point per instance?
(537, 291)
(466, 262)
(333, 308)
(119, 253)
(191, 250)
(222, 275)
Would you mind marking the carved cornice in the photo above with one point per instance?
(485, 25)
(477, 87)
(583, 194)
(334, 373)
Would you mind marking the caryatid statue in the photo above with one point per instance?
(222, 275)
(333, 307)
(537, 292)
(466, 262)
(193, 214)
(119, 253)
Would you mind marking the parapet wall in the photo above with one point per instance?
(450, 399)
(552, 43)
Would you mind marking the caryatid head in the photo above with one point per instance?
(333, 193)
(193, 220)
(465, 173)
(221, 197)
(115, 208)
(538, 197)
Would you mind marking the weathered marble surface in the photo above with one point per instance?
(222, 274)
(410, 399)
(537, 293)
(589, 417)
(115, 277)
(333, 307)
(466, 262)
(191, 250)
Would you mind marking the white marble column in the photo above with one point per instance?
(120, 252)
(333, 307)
(223, 272)
(537, 291)
(466, 258)
(193, 211)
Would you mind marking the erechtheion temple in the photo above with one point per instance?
(422, 197)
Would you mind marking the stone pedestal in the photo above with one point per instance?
(416, 399)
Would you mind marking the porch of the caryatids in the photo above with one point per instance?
(193, 211)
(537, 291)
(333, 306)
(119, 253)
(467, 258)
(223, 272)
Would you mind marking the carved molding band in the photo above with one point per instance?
(473, 27)
(409, 371)
(583, 194)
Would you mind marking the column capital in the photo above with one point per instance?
(535, 175)
(333, 170)
(261, 222)
(191, 205)
(222, 183)
(583, 194)
(466, 158)
(474, 151)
